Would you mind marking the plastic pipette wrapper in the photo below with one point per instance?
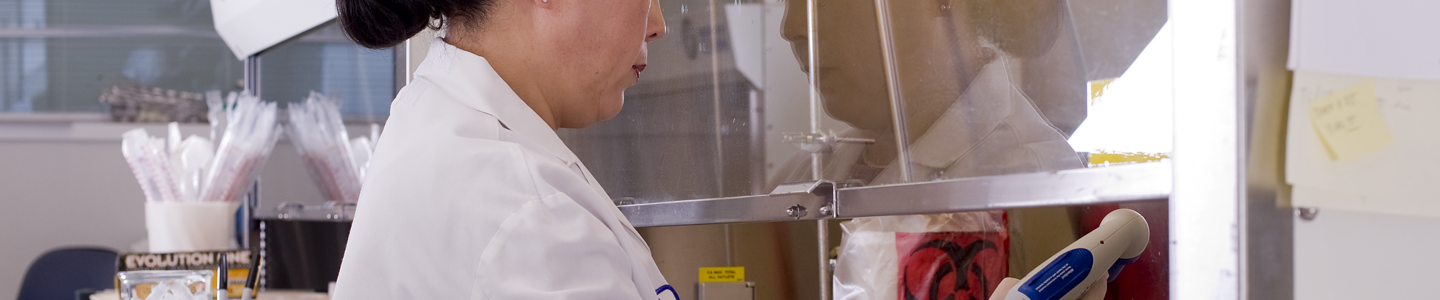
(195, 169)
(191, 185)
(336, 162)
(170, 169)
(250, 134)
(216, 104)
(135, 146)
(149, 160)
(188, 162)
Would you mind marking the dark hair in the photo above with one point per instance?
(384, 23)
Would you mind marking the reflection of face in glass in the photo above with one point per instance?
(940, 46)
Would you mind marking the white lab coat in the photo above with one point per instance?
(470, 195)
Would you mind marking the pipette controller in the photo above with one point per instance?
(1121, 237)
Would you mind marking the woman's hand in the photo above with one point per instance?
(1096, 292)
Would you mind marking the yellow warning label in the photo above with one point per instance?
(722, 274)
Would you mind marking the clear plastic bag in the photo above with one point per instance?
(964, 255)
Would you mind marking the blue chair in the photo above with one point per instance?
(58, 274)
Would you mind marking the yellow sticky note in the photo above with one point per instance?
(722, 274)
(1349, 122)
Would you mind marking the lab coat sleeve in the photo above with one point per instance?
(552, 248)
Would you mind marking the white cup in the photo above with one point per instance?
(190, 226)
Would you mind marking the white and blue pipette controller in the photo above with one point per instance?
(1119, 240)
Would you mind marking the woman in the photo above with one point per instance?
(470, 194)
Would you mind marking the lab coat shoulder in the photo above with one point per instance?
(451, 185)
(435, 193)
(558, 245)
(469, 195)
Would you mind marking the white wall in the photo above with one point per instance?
(1357, 255)
(65, 184)
(58, 194)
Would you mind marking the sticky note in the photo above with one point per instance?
(722, 274)
(1349, 122)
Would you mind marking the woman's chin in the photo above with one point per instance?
(868, 115)
(608, 109)
(610, 113)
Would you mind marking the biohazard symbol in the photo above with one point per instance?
(958, 261)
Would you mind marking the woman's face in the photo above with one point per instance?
(599, 52)
(938, 46)
(850, 62)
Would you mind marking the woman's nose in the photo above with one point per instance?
(655, 26)
(795, 25)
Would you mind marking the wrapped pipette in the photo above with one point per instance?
(335, 161)
(250, 134)
(194, 169)
(149, 162)
(190, 185)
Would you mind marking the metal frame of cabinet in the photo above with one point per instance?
(1135, 182)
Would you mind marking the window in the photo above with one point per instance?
(58, 56)
(325, 61)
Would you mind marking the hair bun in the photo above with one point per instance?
(385, 23)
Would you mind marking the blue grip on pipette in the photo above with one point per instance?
(1060, 276)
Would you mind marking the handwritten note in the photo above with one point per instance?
(1398, 179)
(1349, 122)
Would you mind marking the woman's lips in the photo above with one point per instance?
(638, 69)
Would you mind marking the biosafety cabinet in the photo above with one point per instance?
(760, 127)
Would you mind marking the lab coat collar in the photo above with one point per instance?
(959, 130)
(993, 91)
(476, 84)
